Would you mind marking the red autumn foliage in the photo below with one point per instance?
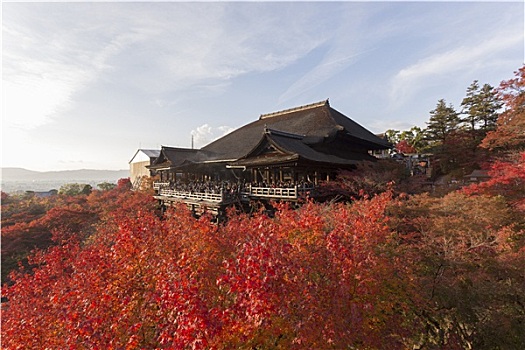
(377, 273)
(314, 277)
(507, 178)
(30, 222)
(510, 129)
(124, 184)
(383, 272)
(404, 147)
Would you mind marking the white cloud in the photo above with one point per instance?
(352, 35)
(331, 65)
(159, 47)
(38, 90)
(45, 65)
(225, 130)
(431, 70)
(202, 135)
(380, 126)
(205, 134)
(166, 62)
(213, 47)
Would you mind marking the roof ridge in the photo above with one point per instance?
(295, 109)
(270, 131)
(180, 148)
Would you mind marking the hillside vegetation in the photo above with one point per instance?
(384, 271)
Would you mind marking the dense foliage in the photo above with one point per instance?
(32, 222)
(510, 130)
(383, 271)
(378, 273)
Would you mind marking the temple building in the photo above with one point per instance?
(138, 165)
(282, 155)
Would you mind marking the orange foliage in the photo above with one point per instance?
(510, 129)
(507, 178)
(378, 273)
(317, 277)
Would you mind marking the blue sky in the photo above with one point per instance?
(84, 85)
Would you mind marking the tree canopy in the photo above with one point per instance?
(383, 270)
(509, 134)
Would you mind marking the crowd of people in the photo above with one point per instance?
(231, 188)
(208, 187)
(285, 184)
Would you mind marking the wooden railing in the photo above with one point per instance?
(278, 192)
(197, 196)
(270, 192)
(262, 192)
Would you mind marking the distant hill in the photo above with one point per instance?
(20, 174)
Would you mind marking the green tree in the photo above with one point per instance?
(74, 189)
(86, 189)
(480, 112)
(444, 121)
(71, 189)
(489, 107)
(415, 137)
(480, 107)
(442, 135)
(392, 136)
(470, 106)
(106, 186)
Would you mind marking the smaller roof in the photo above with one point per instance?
(171, 157)
(151, 153)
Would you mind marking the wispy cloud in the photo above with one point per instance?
(342, 47)
(47, 60)
(158, 49)
(205, 134)
(85, 66)
(202, 135)
(213, 48)
(329, 67)
(433, 69)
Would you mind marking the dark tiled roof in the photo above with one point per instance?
(292, 147)
(315, 121)
(174, 156)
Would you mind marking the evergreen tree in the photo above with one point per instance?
(489, 107)
(470, 105)
(442, 135)
(444, 121)
(480, 107)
